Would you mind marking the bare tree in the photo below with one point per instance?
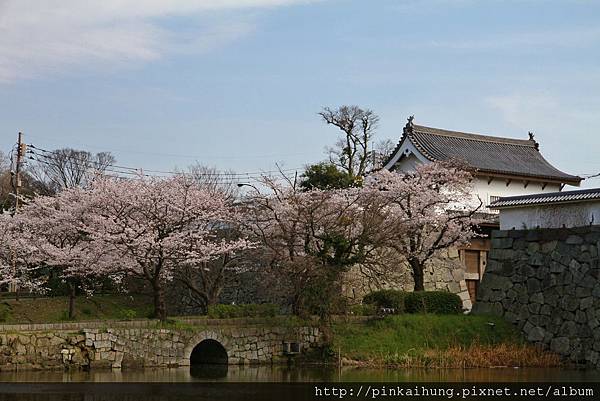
(351, 152)
(382, 150)
(70, 168)
(214, 180)
(4, 162)
(30, 186)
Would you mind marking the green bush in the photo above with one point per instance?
(393, 299)
(222, 311)
(439, 302)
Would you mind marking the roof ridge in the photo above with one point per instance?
(589, 194)
(476, 137)
(550, 194)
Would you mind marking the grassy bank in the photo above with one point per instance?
(436, 341)
(52, 310)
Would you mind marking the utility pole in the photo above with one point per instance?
(21, 148)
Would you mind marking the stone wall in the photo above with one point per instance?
(445, 272)
(141, 344)
(248, 287)
(547, 282)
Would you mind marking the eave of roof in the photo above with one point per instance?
(584, 195)
(520, 157)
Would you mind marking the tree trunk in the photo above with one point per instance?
(418, 276)
(160, 311)
(72, 294)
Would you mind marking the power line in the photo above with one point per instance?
(52, 154)
(103, 149)
(131, 172)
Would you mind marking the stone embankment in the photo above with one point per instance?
(143, 344)
(547, 282)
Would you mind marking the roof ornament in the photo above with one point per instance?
(409, 125)
(532, 138)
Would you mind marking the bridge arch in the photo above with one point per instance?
(209, 352)
(207, 347)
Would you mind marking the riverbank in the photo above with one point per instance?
(401, 341)
(435, 341)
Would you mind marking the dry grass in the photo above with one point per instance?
(473, 356)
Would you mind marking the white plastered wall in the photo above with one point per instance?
(551, 216)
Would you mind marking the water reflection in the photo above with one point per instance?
(209, 371)
(287, 374)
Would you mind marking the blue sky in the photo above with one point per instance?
(237, 83)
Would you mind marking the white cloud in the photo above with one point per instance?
(526, 111)
(39, 37)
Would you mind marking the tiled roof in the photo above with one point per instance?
(486, 154)
(547, 198)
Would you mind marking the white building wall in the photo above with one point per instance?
(408, 157)
(408, 163)
(499, 187)
(550, 216)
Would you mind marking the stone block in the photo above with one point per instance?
(536, 259)
(502, 243)
(574, 240)
(560, 345)
(549, 246)
(499, 234)
(583, 292)
(536, 334)
(533, 285)
(533, 247)
(537, 298)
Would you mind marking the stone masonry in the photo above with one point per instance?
(445, 272)
(547, 282)
(141, 344)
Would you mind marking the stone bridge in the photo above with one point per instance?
(146, 344)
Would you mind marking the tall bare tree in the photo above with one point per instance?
(214, 180)
(70, 168)
(352, 151)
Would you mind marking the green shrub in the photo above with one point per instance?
(222, 311)
(393, 299)
(439, 302)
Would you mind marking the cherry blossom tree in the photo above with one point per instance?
(147, 228)
(18, 264)
(203, 284)
(51, 233)
(432, 208)
(313, 237)
(154, 227)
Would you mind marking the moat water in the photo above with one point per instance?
(285, 374)
(269, 383)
